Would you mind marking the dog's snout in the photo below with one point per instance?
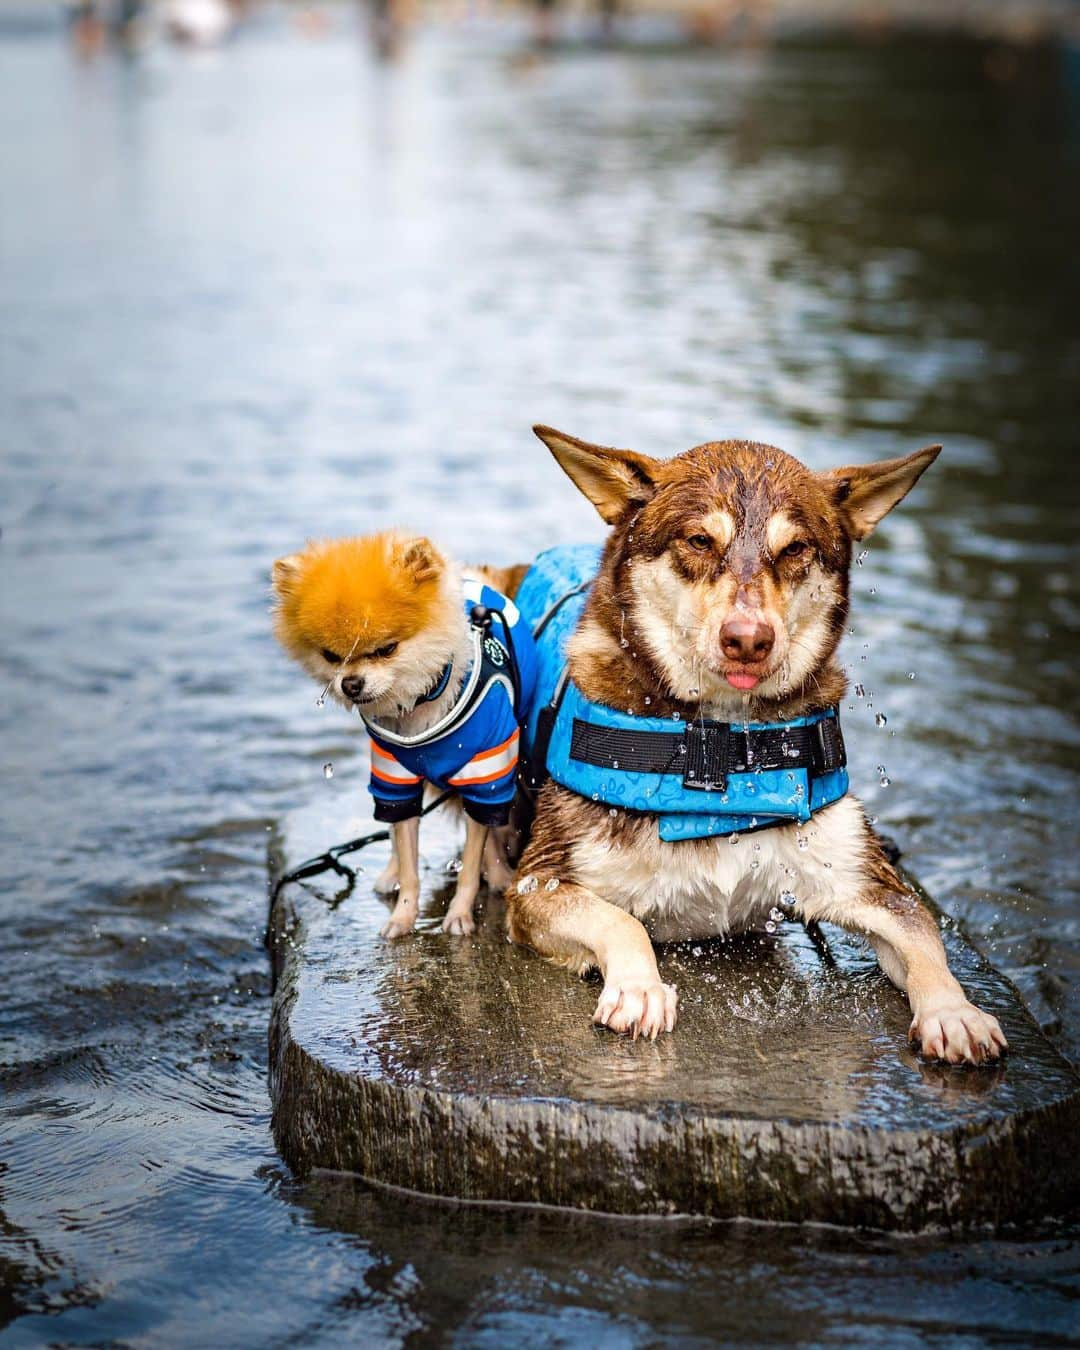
(746, 639)
(352, 686)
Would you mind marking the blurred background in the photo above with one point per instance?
(275, 271)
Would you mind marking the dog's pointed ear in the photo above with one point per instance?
(867, 492)
(421, 559)
(286, 573)
(611, 479)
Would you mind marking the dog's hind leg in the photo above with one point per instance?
(406, 837)
(571, 925)
(459, 917)
(909, 950)
(386, 883)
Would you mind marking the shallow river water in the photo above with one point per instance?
(278, 291)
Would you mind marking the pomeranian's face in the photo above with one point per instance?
(372, 618)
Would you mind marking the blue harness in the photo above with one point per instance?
(701, 778)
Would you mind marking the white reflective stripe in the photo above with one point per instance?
(490, 765)
(474, 591)
(385, 766)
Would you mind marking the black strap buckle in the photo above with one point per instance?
(827, 746)
(706, 756)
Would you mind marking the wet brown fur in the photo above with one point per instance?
(733, 492)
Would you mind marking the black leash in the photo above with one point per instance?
(330, 861)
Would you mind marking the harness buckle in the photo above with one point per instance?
(827, 746)
(706, 756)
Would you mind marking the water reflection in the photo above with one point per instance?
(281, 292)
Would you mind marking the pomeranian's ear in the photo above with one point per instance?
(419, 558)
(613, 480)
(286, 572)
(867, 492)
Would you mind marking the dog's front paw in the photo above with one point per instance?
(462, 922)
(401, 922)
(958, 1033)
(640, 1008)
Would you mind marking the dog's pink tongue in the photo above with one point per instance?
(742, 681)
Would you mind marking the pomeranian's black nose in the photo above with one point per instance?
(352, 686)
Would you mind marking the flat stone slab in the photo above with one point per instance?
(468, 1068)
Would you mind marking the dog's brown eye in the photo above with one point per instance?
(793, 549)
(388, 650)
(700, 542)
(332, 657)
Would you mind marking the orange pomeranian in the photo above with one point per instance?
(434, 659)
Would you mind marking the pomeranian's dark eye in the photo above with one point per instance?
(700, 542)
(793, 549)
(388, 650)
(332, 657)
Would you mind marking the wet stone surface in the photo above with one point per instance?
(465, 1067)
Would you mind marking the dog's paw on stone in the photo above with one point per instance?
(958, 1033)
(461, 924)
(397, 927)
(638, 1008)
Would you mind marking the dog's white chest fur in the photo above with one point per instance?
(698, 888)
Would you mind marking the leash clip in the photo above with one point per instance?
(706, 756)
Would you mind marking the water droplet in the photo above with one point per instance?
(648, 700)
(320, 701)
(885, 780)
(862, 557)
(613, 812)
(527, 885)
(880, 719)
(873, 590)
(911, 674)
(802, 842)
(614, 763)
(755, 864)
(624, 642)
(770, 926)
(733, 839)
(788, 899)
(860, 691)
(694, 692)
(552, 885)
(676, 717)
(328, 770)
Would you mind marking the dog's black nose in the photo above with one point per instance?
(746, 640)
(352, 686)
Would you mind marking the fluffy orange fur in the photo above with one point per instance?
(354, 595)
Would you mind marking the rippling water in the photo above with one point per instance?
(278, 291)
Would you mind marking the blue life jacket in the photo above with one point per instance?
(474, 748)
(700, 778)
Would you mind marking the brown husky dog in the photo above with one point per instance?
(722, 592)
